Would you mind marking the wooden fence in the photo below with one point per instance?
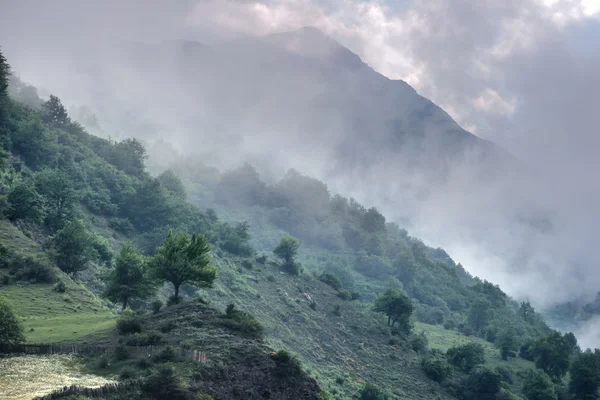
(101, 391)
(94, 350)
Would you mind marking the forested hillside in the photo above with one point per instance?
(97, 250)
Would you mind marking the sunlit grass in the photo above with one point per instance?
(25, 377)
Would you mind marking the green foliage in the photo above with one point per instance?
(287, 249)
(481, 384)
(129, 279)
(72, 247)
(537, 385)
(166, 355)
(60, 287)
(372, 392)
(156, 306)
(331, 280)
(552, 354)
(419, 342)
(288, 364)
(129, 324)
(397, 306)
(466, 357)
(150, 338)
(242, 322)
(103, 249)
(25, 203)
(585, 376)
(33, 270)
(129, 156)
(53, 112)
(183, 260)
(506, 394)
(436, 367)
(479, 314)
(60, 196)
(164, 384)
(11, 329)
(122, 225)
(507, 342)
(170, 181)
(4, 76)
(235, 239)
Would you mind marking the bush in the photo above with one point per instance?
(372, 392)
(337, 310)
(419, 342)
(288, 364)
(168, 327)
(31, 270)
(525, 351)
(173, 300)
(143, 363)
(331, 280)
(156, 306)
(163, 384)
(103, 363)
(292, 267)
(121, 353)
(481, 384)
(129, 324)
(262, 259)
(467, 356)
(436, 368)
(506, 374)
(247, 264)
(60, 287)
(150, 338)
(344, 295)
(127, 374)
(202, 300)
(354, 295)
(166, 355)
(537, 385)
(242, 322)
(313, 305)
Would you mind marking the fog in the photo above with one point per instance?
(521, 74)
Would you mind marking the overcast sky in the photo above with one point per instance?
(522, 73)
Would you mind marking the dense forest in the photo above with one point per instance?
(162, 252)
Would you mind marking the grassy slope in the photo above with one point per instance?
(49, 316)
(341, 352)
(443, 339)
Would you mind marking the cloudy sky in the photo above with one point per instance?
(522, 73)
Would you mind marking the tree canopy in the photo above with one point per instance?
(129, 279)
(397, 306)
(183, 260)
(73, 247)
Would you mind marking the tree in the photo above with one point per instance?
(129, 279)
(11, 330)
(436, 368)
(60, 195)
(183, 260)
(479, 314)
(172, 183)
(73, 247)
(397, 306)
(4, 76)
(552, 354)
(526, 311)
(537, 385)
(585, 376)
(25, 203)
(54, 112)
(507, 341)
(482, 384)
(130, 157)
(466, 357)
(287, 249)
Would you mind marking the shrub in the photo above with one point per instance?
(372, 392)
(242, 322)
(31, 270)
(331, 280)
(344, 295)
(436, 368)
(173, 300)
(166, 355)
(337, 310)
(467, 356)
(537, 385)
(354, 295)
(419, 342)
(313, 305)
(292, 267)
(150, 338)
(288, 364)
(103, 363)
(102, 247)
(262, 259)
(163, 384)
(506, 374)
(156, 306)
(121, 353)
(247, 264)
(60, 287)
(271, 278)
(126, 374)
(168, 327)
(128, 324)
(202, 300)
(481, 384)
(143, 363)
